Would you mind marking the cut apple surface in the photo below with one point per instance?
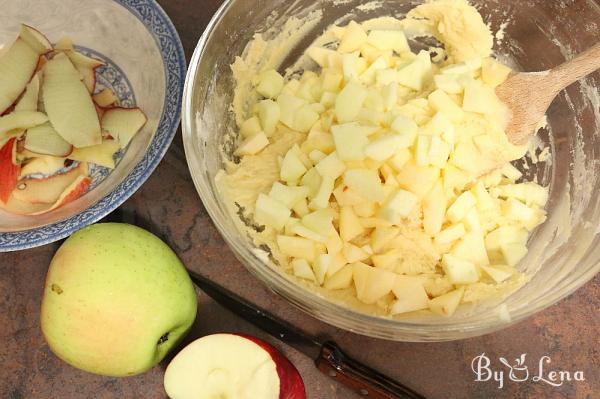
(232, 366)
(123, 123)
(47, 190)
(21, 120)
(43, 139)
(17, 66)
(9, 170)
(69, 104)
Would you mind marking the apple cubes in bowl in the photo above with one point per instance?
(54, 123)
(386, 173)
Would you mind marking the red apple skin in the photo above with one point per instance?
(291, 385)
(81, 188)
(9, 171)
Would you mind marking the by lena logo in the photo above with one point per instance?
(518, 371)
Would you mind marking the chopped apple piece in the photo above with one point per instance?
(251, 126)
(349, 102)
(494, 73)
(341, 279)
(400, 205)
(459, 271)
(101, 154)
(321, 199)
(354, 254)
(434, 210)
(450, 234)
(292, 168)
(303, 270)
(29, 100)
(269, 114)
(297, 247)
(410, 293)
(47, 190)
(418, 179)
(270, 84)
(384, 147)
(446, 305)
(253, 144)
(69, 104)
(366, 182)
(382, 236)
(416, 73)
(441, 102)
(350, 141)
(331, 166)
(372, 283)
(270, 212)
(388, 40)
(17, 66)
(289, 196)
(9, 169)
(349, 224)
(471, 247)
(461, 207)
(123, 123)
(319, 221)
(354, 37)
(43, 139)
(320, 267)
(105, 98)
(513, 253)
(499, 273)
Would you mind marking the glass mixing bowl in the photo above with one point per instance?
(564, 252)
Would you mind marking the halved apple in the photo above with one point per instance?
(101, 154)
(123, 123)
(35, 39)
(232, 366)
(69, 104)
(17, 66)
(9, 169)
(43, 139)
(48, 190)
(29, 100)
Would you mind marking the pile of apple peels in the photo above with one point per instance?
(54, 123)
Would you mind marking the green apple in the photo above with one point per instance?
(117, 300)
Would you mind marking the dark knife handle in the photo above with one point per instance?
(360, 378)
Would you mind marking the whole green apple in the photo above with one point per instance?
(116, 300)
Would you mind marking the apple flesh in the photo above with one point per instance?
(116, 300)
(232, 366)
(29, 100)
(69, 104)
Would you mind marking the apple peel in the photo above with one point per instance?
(17, 66)
(101, 154)
(123, 123)
(35, 39)
(47, 190)
(44, 140)
(9, 169)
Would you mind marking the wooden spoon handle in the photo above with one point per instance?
(580, 66)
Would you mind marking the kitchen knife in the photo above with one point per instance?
(329, 358)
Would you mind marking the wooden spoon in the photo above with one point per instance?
(528, 95)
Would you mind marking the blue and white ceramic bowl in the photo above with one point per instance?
(145, 67)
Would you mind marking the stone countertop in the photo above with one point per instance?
(566, 332)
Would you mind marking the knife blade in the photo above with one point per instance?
(328, 356)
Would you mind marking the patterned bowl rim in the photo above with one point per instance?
(156, 20)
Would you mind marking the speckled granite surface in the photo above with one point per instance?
(168, 205)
